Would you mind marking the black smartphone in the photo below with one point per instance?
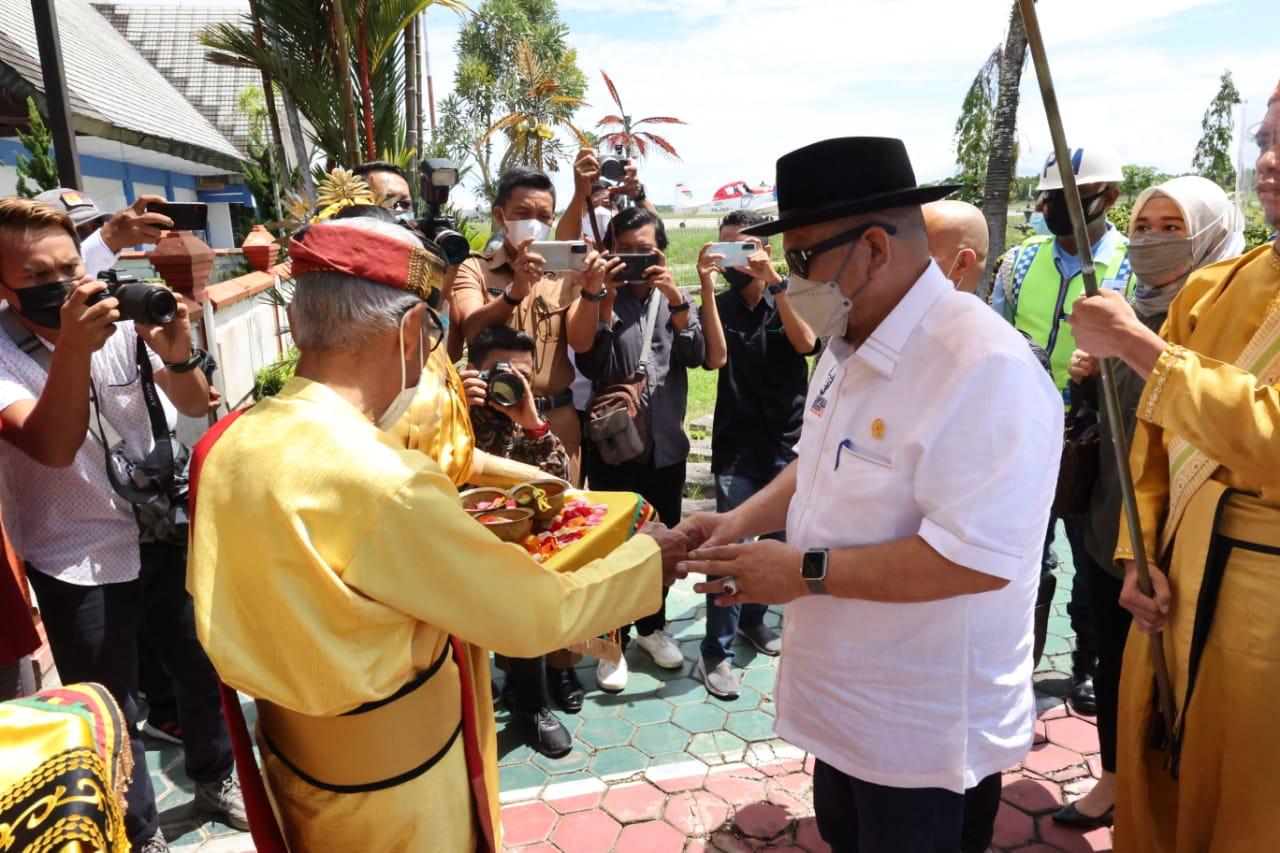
(633, 272)
(186, 216)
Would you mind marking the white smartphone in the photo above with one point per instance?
(735, 254)
(562, 255)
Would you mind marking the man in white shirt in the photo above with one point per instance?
(98, 584)
(104, 236)
(913, 538)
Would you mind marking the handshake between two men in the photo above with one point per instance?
(763, 571)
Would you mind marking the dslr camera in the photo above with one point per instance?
(438, 177)
(503, 385)
(149, 304)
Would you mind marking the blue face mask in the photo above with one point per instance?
(407, 217)
(1038, 225)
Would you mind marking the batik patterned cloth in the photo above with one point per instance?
(66, 765)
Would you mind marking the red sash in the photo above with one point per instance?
(263, 827)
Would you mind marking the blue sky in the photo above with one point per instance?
(757, 78)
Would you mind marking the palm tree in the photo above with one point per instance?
(541, 109)
(320, 54)
(621, 130)
(1004, 149)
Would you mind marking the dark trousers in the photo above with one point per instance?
(154, 685)
(1111, 626)
(93, 633)
(981, 803)
(862, 817)
(732, 490)
(17, 679)
(1078, 606)
(662, 487)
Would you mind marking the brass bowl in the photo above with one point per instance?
(514, 526)
(471, 497)
(553, 492)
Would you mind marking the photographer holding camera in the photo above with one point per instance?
(508, 286)
(87, 413)
(595, 193)
(506, 423)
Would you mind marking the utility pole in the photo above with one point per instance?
(55, 93)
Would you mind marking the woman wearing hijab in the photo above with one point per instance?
(1176, 228)
(1207, 483)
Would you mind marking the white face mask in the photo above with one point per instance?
(821, 305)
(603, 216)
(519, 230)
(402, 401)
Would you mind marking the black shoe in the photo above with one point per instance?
(566, 689)
(547, 734)
(1069, 815)
(1083, 700)
(764, 638)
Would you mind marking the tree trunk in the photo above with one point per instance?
(299, 144)
(420, 40)
(268, 92)
(411, 87)
(342, 53)
(366, 89)
(1002, 163)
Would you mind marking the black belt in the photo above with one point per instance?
(554, 401)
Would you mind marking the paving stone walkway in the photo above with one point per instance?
(664, 767)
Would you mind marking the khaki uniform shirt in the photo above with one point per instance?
(542, 314)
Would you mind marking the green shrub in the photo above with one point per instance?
(268, 381)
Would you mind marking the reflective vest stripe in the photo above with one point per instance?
(1042, 303)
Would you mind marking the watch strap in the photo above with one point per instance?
(679, 309)
(775, 289)
(193, 361)
(508, 298)
(596, 297)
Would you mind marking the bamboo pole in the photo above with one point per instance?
(1111, 402)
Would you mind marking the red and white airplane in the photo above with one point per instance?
(733, 196)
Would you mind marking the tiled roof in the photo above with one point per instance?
(114, 91)
(166, 35)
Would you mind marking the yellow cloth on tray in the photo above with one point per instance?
(626, 514)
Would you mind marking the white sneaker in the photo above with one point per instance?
(612, 677)
(666, 653)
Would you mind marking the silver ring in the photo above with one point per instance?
(729, 587)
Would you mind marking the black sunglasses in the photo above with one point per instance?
(799, 260)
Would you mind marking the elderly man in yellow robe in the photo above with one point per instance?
(337, 580)
(1206, 468)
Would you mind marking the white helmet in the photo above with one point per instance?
(1090, 165)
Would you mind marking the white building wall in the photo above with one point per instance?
(8, 180)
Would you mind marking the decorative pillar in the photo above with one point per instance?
(260, 249)
(184, 261)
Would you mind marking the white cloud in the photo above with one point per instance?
(757, 78)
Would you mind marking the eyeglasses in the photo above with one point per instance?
(402, 205)
(799, 260)
(432, 329)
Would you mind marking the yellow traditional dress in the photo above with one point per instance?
(332, 570)
(1206, 464)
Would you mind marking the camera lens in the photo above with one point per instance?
(453, 246)
(146, 303)
(613, 169)
(506, 389)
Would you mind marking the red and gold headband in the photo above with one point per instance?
(338, 246)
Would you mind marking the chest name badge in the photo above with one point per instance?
(820, 400)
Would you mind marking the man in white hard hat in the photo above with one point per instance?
(1037, 282)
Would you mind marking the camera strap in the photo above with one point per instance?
(650, 320)
(30, 345)
(110, 438)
